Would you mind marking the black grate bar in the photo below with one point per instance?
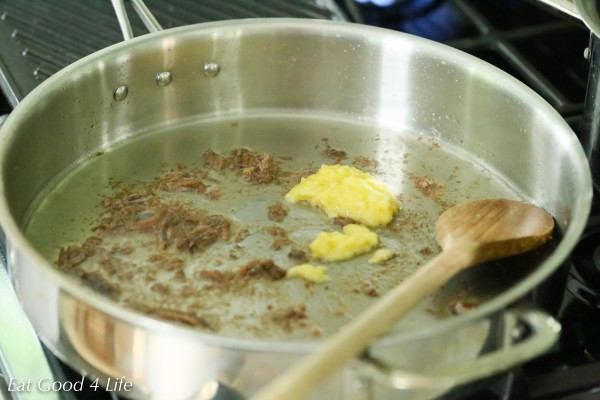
(512, 35)
(68, 21)
(502, 42)
(534, 77)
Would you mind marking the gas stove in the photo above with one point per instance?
(542, 43)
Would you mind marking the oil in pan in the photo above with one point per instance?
(188, 168)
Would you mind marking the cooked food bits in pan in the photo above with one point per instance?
(203, 236)
(277, 212)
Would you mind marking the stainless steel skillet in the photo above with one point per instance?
(296, 77)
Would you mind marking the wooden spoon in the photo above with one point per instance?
(469, 234)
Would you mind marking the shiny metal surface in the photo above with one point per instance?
(439, 378)
(589, 14)
(146, 16)
(22, 360)
(140, 8)
(272, 67)
(565, 6)
(590, 135)
(123, 19)
(40, 37)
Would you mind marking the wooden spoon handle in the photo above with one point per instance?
(303, 377)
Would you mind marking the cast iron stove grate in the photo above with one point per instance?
(542, 48)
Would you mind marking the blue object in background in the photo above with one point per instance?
(379, 3)
(432, 19)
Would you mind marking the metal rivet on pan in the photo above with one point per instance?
(121, 93)
(164, 78)
(212, 69)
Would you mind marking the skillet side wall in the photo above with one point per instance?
(390, 81)
(318, 68)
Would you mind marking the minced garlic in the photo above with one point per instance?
(337, 246)
(381, 255)
(309, 272)
(343, 191)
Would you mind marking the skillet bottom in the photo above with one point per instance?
(427, 176)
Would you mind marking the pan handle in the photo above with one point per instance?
(142, 11)
(543, 332)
